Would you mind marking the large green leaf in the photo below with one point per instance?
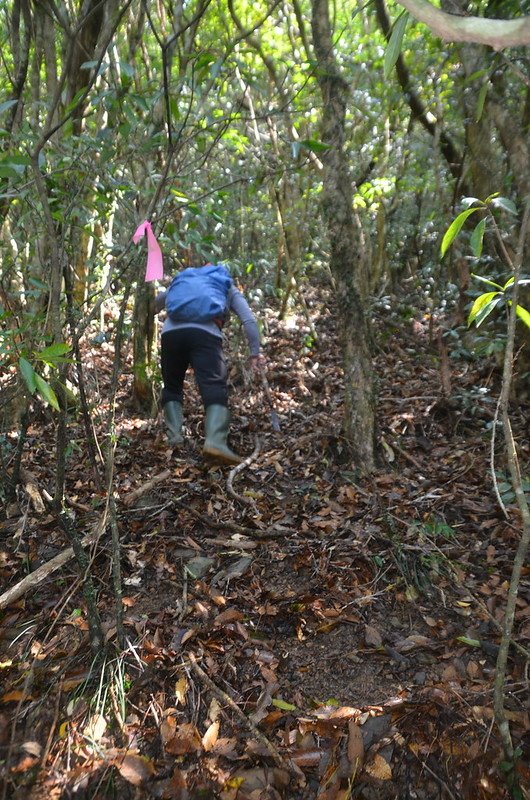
(46, 392)
(477, 238)
(54, 353)
(486, 311)
(28, 373)
(483, 306)
(505, 203)
(454, 229)
(393, 48)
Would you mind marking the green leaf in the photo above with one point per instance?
(481, 100)
(486, 280)
(7, 104)
(75, 100)
(16, 162)
(46, 392)
(283, 705)
(8, 172)
(54, 353)
(39, 284)
(139, 101)
(204, 60)
(454, 229)
(483, 306)
(102, 68)
(477, 238)
(314, 145)
(181, 197)
(505, 203)
(467, 202)
(486, 311)
(127, 69)
(468, 641)
(28, 373)
(480, 302)
(393, 48)
(479, 73)
(523, 315)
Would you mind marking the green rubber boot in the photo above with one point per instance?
(173, 418)
(216, 426)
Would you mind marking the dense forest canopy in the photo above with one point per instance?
(207, 118)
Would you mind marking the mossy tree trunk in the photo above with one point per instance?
(346, 248)
(143, 334)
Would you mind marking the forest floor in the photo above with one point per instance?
(292, 631)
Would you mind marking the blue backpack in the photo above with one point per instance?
(199, 294)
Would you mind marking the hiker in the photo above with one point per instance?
(197, 304)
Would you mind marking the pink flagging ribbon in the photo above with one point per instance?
(154, 270)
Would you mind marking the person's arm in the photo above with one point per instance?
(160, 302)
(238, 304)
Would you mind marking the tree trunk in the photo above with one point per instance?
(143, 333)
(515, 141)
(346, 250)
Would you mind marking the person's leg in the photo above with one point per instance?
(175, 360)
(174, 363)
(209, 365)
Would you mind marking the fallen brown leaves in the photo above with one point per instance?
(328, 639)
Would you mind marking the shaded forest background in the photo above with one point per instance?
(321, 150)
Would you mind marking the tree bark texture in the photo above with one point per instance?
(346, 250)
(143, 335)
(21, 34)
(83, 50)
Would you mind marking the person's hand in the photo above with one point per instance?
(257, 363)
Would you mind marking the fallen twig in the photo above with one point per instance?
(275, 421)
(436, 777)
(253, 533)
(40, 574)
(146, 487)
(233, 472)
(286, 764)
(407, 456)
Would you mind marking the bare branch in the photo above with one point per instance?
(497, 33)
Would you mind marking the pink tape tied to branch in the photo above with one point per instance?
(154, 270)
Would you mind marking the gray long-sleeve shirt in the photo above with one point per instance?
(236, 303)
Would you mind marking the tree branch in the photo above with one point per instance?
(497, 33)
